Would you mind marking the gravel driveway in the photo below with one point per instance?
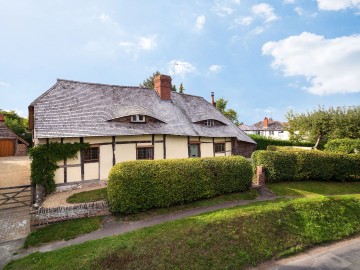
(14, 171)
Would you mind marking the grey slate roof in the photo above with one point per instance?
(272, 125)
(78, 109)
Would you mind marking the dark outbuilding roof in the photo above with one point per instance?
(79, 109)
(6, 133)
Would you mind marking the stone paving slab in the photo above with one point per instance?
(14, 224)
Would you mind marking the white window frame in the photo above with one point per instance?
(138, 118)
(210, 123)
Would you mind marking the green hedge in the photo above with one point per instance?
(263, 142)
(135, 186)
(306, 165)
(287, 148)
(343, 146)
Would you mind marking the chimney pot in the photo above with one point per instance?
(213, 99)
(162, 84)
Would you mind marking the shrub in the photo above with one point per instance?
(135, 186)
(343, 146)
(287, 148)
(263, 142)
(307, 165)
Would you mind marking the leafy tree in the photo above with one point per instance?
(149, 82)
(321, 125)
(228, 113)
(17, 124)
(181, 88)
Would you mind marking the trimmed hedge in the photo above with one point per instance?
(306, 165)
(287, 148)
(263, 142)
(343, 146)
(135, 186)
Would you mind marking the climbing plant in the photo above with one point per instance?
(43, 161)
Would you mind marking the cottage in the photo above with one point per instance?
(268, 128)
(10, 143)
(130, 123)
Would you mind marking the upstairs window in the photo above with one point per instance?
(138, 118)
(210, 123)
(91, 154)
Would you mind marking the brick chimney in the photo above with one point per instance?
(266, 122)
(2, 119)
(213, 99)
(162, 84)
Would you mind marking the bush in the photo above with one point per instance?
(287, 148)
(263, 142)
(306, 165)
(135, 186)
(343, 146)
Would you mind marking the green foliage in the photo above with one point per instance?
(343, 146)
(263, 142)
(149, 82)
(181, 88)
(234, 238)
(228, 113)
(62, 231)
(306, 165)
(18, 124)
(325, 124)
(43, 161)
(140, 185)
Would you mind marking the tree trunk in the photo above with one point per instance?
(317, 142)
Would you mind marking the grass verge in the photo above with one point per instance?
(232, 238)
(62, 231)
(314, 188)
(88, 196)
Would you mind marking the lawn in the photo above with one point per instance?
(62, 231)
(88, 196)
(314, 188)
(232, 238)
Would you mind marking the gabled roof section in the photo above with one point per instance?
(7, 133)
(79, 109)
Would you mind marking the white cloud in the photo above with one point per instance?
(177, 67)
(247, 20)
(223, 8)
(329, 65)
(299, 11)
(4, 84)
(258, 30)
(104, 17)
(200, 22)
(338, 4)
(288, 1)
(147, 43)
(265, 11)
(215, 68)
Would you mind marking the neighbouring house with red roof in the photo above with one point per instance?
(130, 123)
(268, 128)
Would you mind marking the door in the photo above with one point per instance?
(194, 150)
(7, 148)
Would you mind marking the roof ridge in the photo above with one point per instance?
(104, 84)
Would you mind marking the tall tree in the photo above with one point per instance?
(149, 82)
(181, 88)
(228, 113)
(325, 124)
(17, 124)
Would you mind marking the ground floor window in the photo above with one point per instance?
(91, 154)
(194, 150)
(145, 153)
(219, 147)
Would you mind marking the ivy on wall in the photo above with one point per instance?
(43, 161)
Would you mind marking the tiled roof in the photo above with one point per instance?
(272, 125)
(78, 109)
(6, 133)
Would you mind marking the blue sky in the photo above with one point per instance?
(265, 57)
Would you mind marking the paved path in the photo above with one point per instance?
(343, 255)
